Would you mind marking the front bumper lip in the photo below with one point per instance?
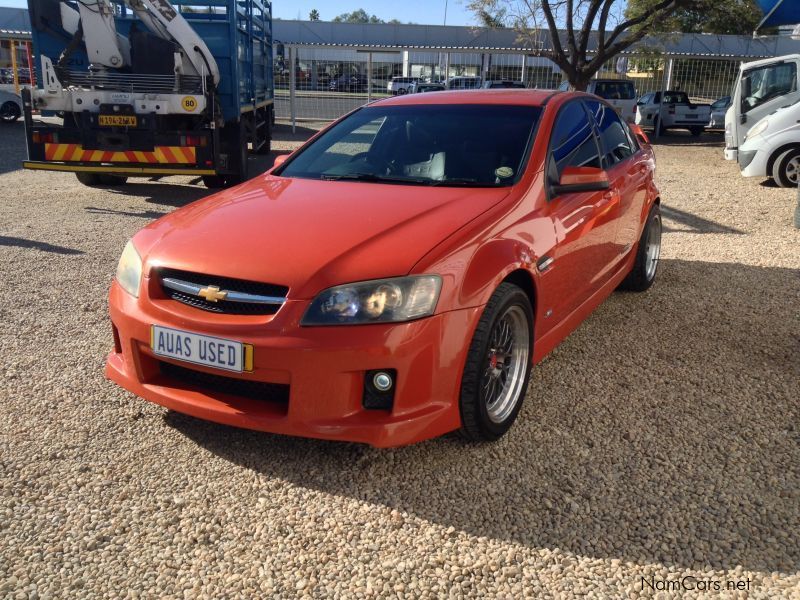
(745, 157)
(323, 367)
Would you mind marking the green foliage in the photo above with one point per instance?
(313, 15)
(735, 17)
(357, 16)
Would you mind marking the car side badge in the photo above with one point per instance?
(504, 172)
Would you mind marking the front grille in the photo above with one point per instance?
(277, 393)
(224, 283)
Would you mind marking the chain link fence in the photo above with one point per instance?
(322, 83)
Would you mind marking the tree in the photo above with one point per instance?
(596, 30)
(495, 20)
(313, 15)
(357, 16)
(733, 17)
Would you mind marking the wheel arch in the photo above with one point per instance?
(777, 153)
(523, 279)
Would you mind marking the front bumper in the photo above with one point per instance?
(753, 163)
(323, 368)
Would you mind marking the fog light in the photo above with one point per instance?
(382, 381)
(379, 386)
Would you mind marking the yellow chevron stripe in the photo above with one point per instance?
(172, 155)
(60, 150)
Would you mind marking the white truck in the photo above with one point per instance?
(671, 110)
(762, 87)
(771, 147)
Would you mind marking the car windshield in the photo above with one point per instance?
(430, 144)
(762, 84)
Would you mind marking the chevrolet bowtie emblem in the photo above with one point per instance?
(212, 293)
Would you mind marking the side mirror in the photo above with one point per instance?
(639, 133)
(581, 179)
(279, 160)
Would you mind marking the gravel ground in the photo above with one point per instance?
(659, 441)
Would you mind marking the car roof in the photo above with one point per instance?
(476, 96)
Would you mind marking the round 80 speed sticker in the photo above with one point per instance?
(189, 103)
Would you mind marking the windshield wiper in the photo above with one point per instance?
(372, 177)
(454, 182)
(461, 182)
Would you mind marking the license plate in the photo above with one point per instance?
(206, 350)
(118, 121)
(691, 116)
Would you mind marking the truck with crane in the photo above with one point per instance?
(150, 88)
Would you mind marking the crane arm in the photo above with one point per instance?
(161, 18)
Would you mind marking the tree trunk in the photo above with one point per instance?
(580, 82)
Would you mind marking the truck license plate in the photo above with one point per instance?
(117, 121)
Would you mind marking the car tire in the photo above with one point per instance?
(113, 180)
(696, 131)
(648, 253)
(101, 179)
(786, 168)
(401, 91)
(214, 182)
(89, 179)
(10, 112)
(498, 366)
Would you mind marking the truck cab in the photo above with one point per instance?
(762, 87)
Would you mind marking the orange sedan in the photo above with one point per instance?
(395, 278)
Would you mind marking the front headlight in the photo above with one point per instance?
(380, 301)
(129, 270)
(757, 129)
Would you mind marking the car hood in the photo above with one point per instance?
(310, 234)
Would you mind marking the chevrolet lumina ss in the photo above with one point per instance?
(395, 278)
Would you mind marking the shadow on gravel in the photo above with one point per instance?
(679, 137)
(12, 140)
(43, 246)
(165, 193)
(146, 214)
(666, 429)
(693, 223)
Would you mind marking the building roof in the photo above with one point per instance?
(15, 23)
(434, 37)
(14, 20)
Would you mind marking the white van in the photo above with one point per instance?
(762, 87)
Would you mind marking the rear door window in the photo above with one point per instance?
(614, 140)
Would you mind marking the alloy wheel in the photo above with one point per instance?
(506, 364)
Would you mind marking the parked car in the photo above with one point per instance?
(771, 148)
(401, 85)
(672, 110)
(620, 93)
(349, 83)
(504, 83)
(718, 110)
(463, 83)
(10, 107)
(443, 267)
(420, 87)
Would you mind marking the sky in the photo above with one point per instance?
(424, 12)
